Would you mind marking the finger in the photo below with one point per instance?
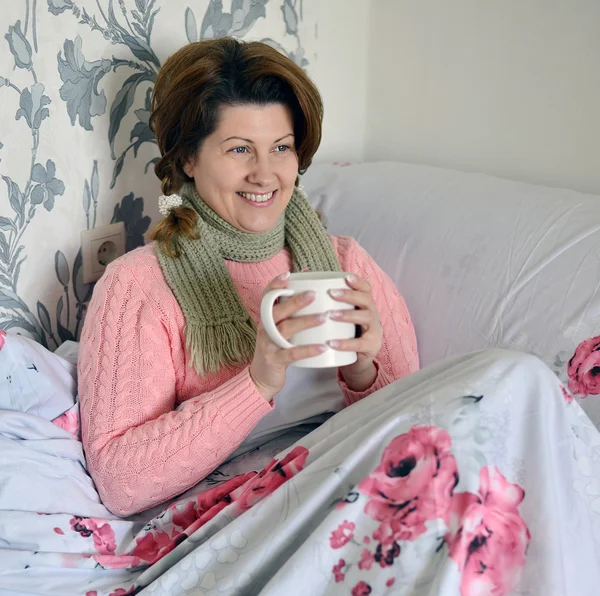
(289, 327)
(290, 355)
(360, 317)
(359, 345)
(354, 297)
(286, 308)
(280, 281)
(358, 283)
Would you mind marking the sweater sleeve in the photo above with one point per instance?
(398, 356)
(140, 450)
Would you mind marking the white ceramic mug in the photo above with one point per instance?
(319, 282)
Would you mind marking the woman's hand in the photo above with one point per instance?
(270, 362)
(360, 375)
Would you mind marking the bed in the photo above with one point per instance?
(488, 485)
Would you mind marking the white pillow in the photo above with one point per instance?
(481, 262)
(33, 379)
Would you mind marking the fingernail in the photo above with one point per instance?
(284, 276)
(333, 343)
(336, 293)
(335, 314)
(352, 278)
(309, 296)
(321, 348)
(322, 317)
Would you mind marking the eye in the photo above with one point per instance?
(239, 150)
(282, 148)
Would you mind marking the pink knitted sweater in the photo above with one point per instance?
(142, 445)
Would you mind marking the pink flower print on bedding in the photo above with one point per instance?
(487, 536)
(412, 484)
(584, 368)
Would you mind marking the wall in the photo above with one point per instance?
(506, 87)
(76, 151)
(339, 68)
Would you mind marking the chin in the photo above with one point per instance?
(257, 223)
(258, 227)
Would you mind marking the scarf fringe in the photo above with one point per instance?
(225, 344)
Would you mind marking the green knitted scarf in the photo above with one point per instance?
(219, 331)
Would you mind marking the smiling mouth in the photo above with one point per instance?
(257, 198)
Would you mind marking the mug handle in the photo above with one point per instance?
(266, 316)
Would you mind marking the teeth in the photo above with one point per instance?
(257, 198)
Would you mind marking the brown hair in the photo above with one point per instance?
(193, 85)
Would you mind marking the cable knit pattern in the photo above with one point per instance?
(151, 426)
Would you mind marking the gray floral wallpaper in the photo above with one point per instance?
(76, 150)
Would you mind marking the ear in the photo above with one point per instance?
(188, 167)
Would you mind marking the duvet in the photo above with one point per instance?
(478, 475)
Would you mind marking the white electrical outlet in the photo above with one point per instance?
(99, 247)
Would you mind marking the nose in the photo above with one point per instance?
(261, 172)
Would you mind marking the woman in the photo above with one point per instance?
(175, 368)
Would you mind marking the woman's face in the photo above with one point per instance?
(246, 169)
